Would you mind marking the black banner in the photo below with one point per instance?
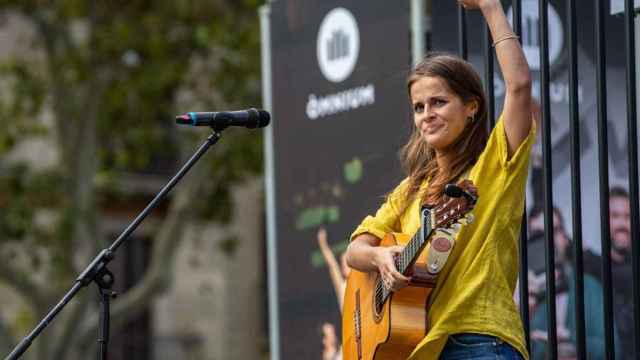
(340, 113)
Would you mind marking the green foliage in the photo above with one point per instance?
(230, 165)
(110, 77)
(135, 58)
(15, 220)
(229, 245)
(21, 192)
(24, 320)
(23, 99)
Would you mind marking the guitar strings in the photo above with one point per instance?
(382, 293)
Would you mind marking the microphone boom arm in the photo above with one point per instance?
(97, 270)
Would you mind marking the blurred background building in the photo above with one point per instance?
(88, 94)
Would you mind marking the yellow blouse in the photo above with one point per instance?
(475, 289)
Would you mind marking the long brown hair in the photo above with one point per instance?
(417, 157)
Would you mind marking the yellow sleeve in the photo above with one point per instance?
(387, 218)
(521, 156)
(498, 148)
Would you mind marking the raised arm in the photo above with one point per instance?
(334, 268)
(515, 70)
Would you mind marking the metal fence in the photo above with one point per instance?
(600, 8)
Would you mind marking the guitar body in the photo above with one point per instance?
(379, 324)
(391, 333)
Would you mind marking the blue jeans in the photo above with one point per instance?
(478, 347)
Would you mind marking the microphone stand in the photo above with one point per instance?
(97, 270)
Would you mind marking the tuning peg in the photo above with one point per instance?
(469, 218)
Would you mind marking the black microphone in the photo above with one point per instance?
(251, 118)
(456, 191)
(453, 190)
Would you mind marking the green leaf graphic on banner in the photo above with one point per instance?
(353, 171)
(317, 216)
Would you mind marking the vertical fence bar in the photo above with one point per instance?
(603, 166)
(524, 263)
(517, 17)
(632, 131)
(575, 180)
(552, 344)
(462, 33)
(488, 72)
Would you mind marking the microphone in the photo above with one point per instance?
(456, 191)
(453, 190)
(250, 118)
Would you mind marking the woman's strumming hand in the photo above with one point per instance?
(385, 261)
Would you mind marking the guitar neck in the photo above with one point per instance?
(417, 243)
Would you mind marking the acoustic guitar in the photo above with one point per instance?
(380, 324)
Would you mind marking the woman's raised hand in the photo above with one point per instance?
(476, 4)
(516, 110)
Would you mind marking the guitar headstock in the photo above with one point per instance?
(454, 208)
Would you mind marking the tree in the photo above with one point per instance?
(98, 83)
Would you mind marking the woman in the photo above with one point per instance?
(472, 313)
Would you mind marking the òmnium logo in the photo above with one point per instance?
(338, 45)
(337, 49)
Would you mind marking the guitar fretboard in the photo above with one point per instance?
(408, 255)
(416, 244)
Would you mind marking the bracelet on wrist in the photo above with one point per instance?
(507, 37)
